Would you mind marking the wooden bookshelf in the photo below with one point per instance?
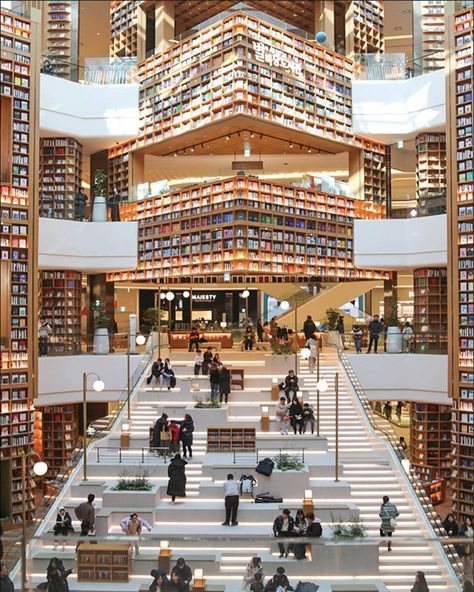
(123, 28)
(430, 440)
(61, 36)
(18, 75)
(430, 314)
(431, 173)
(364, 27)
(237, 378)
(60, 176)
(118, 169)
(104, 563)
(432, 34)
(60, 296)
(231, 439)
(460, 257)
(243, 226)
(60, 433)
(436, 490)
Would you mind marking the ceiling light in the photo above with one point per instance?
(192, 148)
(309, 150)
(227, 138)
(291, 144)
(414, 213)
(252, 135)
(175, 154)
(397, 28)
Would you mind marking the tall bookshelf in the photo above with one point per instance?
(60, 297)
(17, 262)
(118, 169)
(123, 28)
(430, 311)
(60, 176)
(246, 228)
(430, 438)
(460, 257)
(431, 173)
(432, 34)
(61, 36)
(364, 27)
(369, 172)
(60, 433)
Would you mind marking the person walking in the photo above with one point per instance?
(387, 410)
(231, 501)
(260, 331)
(186, 435)
(207, 361)
(308, 418)
(309, 327)
(253, 568)
(224, 384)
(161, 434)
(177, 478)
(296, 414)
(291, 384)
(132, 526)
(398, 411)
(174, 437)
(357, 336)
(282, 417)
(388, 513)
(194, 337)
(420, 584)
(341, 330)
(375, 329)
(407, 336)
(85, 512)
(283, 526)
(184, 574)
(313, 345)
(214, 380)
(80, 201)
(198, 361)
(56, 575)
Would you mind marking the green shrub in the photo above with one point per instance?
(133, 481)
(207, 405)
(332, 318)
(353, 530)
(287, 462)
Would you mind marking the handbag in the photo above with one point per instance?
(164, 435)
(393, 522)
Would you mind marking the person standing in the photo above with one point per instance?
(133, 525)
(174, 437)
(249, 338)
(309, 327)
(283, 526)
(198, 360)
(44, 334)
(260, 331)
(357, 336)
(224, 384)
(177, 478)
(207, 361)
(214, 380)
(398, 411)
(296, 414)
(387, 410)
(340, 329)
(282, 417)
(161, 433)
(85, 512)
(403, 443)
(388, 513)
(186, 435)
(56, 576)
(231, 501)
(407, 335)
(274, 328)
(420, 584)
(375, 329)
(114, 205)
(312, 344)
(6, 585)
(80, 201)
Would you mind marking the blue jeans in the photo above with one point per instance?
(214, 391)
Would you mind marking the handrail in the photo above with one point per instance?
(449, 552)
(163, 451)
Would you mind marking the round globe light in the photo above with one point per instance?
(186, 294)
(305, 353)
(169, 295)
(284, 305)
(40, 468)
(245, 294)
(321, 37)
(322, 385)
(414, 213)
(98, 385)
(140, 339)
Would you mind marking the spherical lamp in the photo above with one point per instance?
(98, 385)
(169, 295)
(40, 468)
(162, 295)
(321, 37)
(284, 305)
(186, 294)
(140, 340)
(322, 385)
(245, 294)
(305, 353)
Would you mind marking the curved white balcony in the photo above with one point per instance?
(401, 244)
(89, 247)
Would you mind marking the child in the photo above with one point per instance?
(357, 334)
(198, 360)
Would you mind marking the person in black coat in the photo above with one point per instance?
(420, 584)
(56, 575)
(309, 327)
(207, 361)
(160, 580)
(284, 526)
(450, 525)
(6, 585)
(224, 384)
(184, 573)
(296, 414)
(279, 580)
(186, 435)
(291, 384)
(156, 370)
(177, 478)
(63, 524)
(160, 426)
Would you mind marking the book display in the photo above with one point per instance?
(460, 253)
(104, 563)
(60, 293)
(432, 34)
(118, 169)
(244, 227)
(60, 36)
(431, 173)
(17, 266)
(123, 28)
(364, 27)
(60, 431)
(430, 318)
(231, 439)
(430, 440)
(60, 176)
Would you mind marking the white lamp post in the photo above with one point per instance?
(98, 385)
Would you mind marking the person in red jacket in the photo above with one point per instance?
(174, 437)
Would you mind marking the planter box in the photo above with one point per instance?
(99, 209)
(394, 342)
(136, 500)
(101, 341)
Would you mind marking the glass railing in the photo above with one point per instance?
(382, 426)
(429, 342)
(390, 66)
(96, 71)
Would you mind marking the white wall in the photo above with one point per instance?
(60, 377)
(393, 109)
(401, 244)
(108, 113)
(405, 377)
(89, 247)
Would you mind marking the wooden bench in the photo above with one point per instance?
(217, 345)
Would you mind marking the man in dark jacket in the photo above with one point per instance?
(214, 379)
(375, 329)
(6, 585)
(80, 201)
(291, 384)
(85, 512)
(224, 384)
(283, 526)
(279, 580)
(177, 478)
(309, 327)
(184, 573)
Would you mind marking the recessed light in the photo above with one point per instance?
(397, 28)
(407, 10)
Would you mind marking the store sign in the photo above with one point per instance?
(275, 57)
(204, 297)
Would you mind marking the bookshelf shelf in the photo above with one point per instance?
(430, 316)
(431, 173)
(60, 176)
(364, 27)
(432, 34)
(430, 438)
(60, 36)
(231, 439)
(123, 28)
(60, 431)
(104, 563)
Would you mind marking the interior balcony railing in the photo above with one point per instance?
(95, 71)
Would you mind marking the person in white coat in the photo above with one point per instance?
(133, 525)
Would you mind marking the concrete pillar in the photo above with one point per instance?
(389, 294)
(164, 24)
(324, 20)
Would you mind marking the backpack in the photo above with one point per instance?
(265, 467)
(78, 512)
(246, 484)
(173, 381)
(315, 529)
(306, 587)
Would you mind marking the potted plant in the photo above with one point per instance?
(99, 207)
(101, 332)
(394, 341)
(332, 319)
(288, 462)
(348, 532)
(133, 481)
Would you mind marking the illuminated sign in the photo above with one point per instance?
(204, 297)
(275, 57)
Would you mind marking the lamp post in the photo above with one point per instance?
(336, 387)
(40, 469)
(188, 294)
(317, 389)
(139, 340)
(169, 297)
(98, 385)
(321, 387)
(245, 295)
